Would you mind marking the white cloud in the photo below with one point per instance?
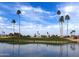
(72, 10)
(35, 14)
(35, 19)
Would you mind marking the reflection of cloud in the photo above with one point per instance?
(38, 50)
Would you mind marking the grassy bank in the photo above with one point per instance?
(25, 40)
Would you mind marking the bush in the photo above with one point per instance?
(28, 36)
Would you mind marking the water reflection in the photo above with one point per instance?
(61, 50)
(33, 50)
(67, 50)
(72, 46)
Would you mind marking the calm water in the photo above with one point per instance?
(36, 50)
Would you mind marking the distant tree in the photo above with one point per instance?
(53, 36)
(43, 36)
(38, 33)
(28, 36)
(73, 31)
(48, 35)
(3, 32)
(57, 35)
(10, 34)
(17, 34)
(35, 35)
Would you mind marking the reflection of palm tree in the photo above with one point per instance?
(72, 46)
(61, 50)
(61, 21)
(13, 22)
(18, 13)
(67, 18)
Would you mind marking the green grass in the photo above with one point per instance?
(25, 40)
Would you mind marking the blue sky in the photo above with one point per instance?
(38, 16)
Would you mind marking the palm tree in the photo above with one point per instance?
(13, 22)
(67, 18)
(58, 12)
(18, 13)
(38, 33)
(3, 33)
(73, 31)
(48, 35)
(61, 21)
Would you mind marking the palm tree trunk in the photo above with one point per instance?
(19, 38)
(61, 29)
(13, 28)
(61, 51)
(67, 27)
(13, 35)
(19, 26)
(67, 50)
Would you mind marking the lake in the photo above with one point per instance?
(39, 50)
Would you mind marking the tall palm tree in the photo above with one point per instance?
(13, 22)
(59, 13)
(18, 13)
(67, 17)
(61, 21)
